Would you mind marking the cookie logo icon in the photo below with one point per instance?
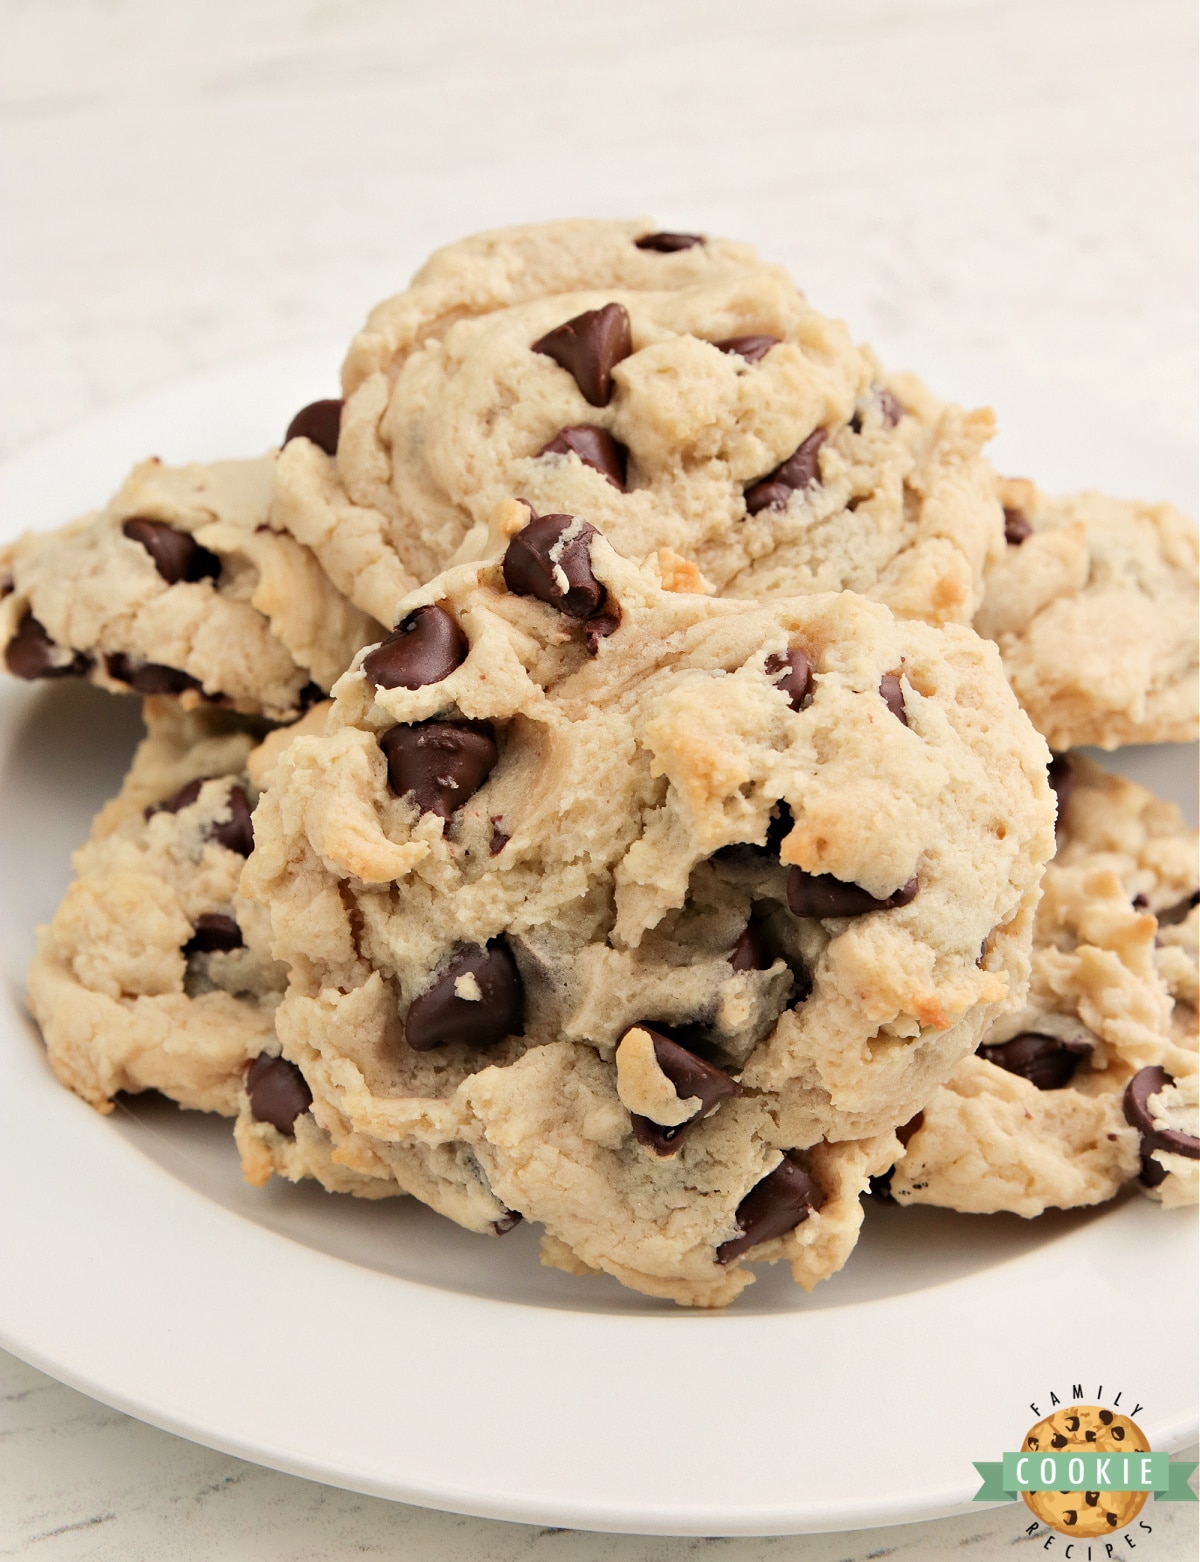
(1087, 1429)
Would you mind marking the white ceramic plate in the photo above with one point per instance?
(377, 1347)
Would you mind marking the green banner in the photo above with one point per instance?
(1075, 1470)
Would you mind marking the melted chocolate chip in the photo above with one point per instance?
(822, 895)
(237, 832)
(798, 472)
(906, 1130)
(32, 654)
(793, 674)
(509, 1219)
(177, 555)
(214, 933)
(1170, 916)
(1059, 776)
(539, 563)
(278, 1092)
(320, 421)
(499, 839)
(439, 764)
(892, 696)
(773, 1207)
(752, 348)
(589, 347)
(311, 694)
(149, 677)
(1145, 1083)
(890, 408)
(595, 447)
(1016, 527)
(441, 1014)
(424, 648)
(880, 1187)
(669, 243)
(181, 799)
(600, 626)
(691, 1076)
(750, 953)
(1045, 1061)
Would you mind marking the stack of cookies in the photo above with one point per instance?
(599, 772)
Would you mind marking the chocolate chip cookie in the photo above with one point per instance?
(594, 884)
(1093, 1082)
(688, 399)
(154, 973)
(1090, 1429)
(181, 587)
(1094, 606)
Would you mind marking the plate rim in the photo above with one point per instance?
(240, 390)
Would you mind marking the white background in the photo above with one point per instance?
(185, 183)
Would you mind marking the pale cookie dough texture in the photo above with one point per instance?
(526, 833)
(154, 973)
(727, 374)
(1113, 992)
(181, 586)
(1094, 607)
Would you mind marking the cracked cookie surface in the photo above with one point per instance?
(181, 586)
(1094, 607)
(1041, 1116)
(562, 802)
(701, 405)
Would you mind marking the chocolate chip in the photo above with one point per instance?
(669, 243)
(1140, 903)
(595, 447)
(425, 648)
(893, 696)
(550, 559)
(149, 677)
(1058, 1441)
(1060, 778)
(773, 1207)
(589, 346)
(177, 555)
(237, 832)
(891, 409)
(499, 839)
(798, 472)
(792, 673)
(441, 1014)
(1045, 1061)
(1016, 527)
(1145, 1083)
(752, 348)
(1106, 1416)
(439, 764)
(880, 1187)
(509, 1219)
(906, 1130)
(1170, 916)
(600, 626)
(750, 953)
(181, 799)
(822, 895)
(32, 654)
(320, 421)
(311, 694)
(278, 1092)
(214, 933)
(691, 1076)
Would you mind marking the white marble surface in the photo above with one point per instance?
(1012, 180)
